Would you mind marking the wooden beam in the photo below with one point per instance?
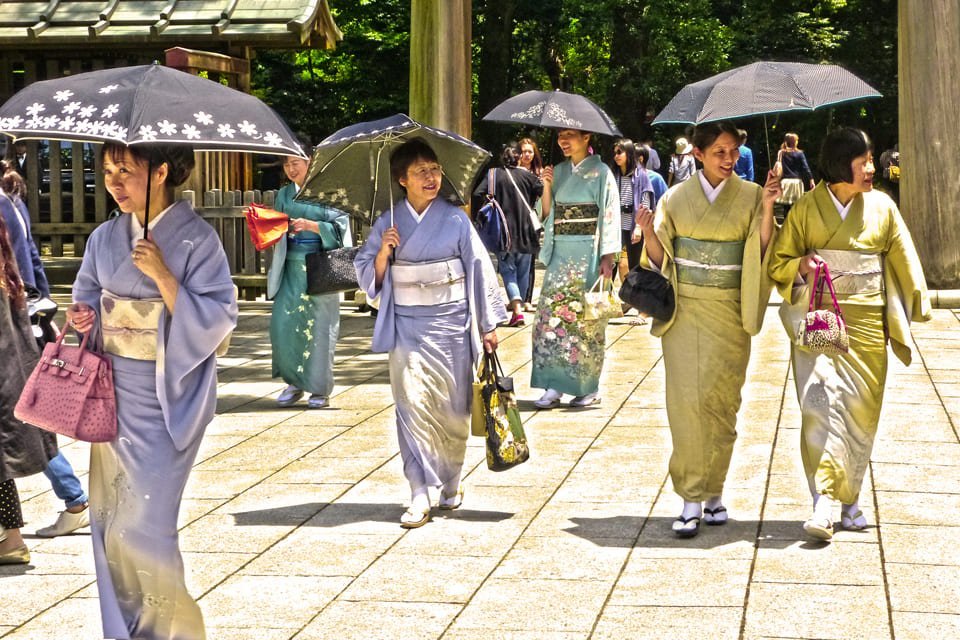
(440, 76)
(929, 47)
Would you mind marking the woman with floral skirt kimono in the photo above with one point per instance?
(859, 234)
(581, 206)
(162, 306)
(304, 328)
(709, 238)
(440, 304)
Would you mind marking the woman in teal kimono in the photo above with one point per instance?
(581, 236)
(880, 288)
(303, 328)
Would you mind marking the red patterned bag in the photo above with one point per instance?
(824, 331)
(70, 392)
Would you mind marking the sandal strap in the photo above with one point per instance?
(713, 512)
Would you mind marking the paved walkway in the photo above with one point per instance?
(290, 522)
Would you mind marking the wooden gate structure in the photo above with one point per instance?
(55, 38)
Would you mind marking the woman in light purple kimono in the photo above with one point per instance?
(162, 306)
(440, 304)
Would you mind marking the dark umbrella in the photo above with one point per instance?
(761, 88)
(554, 109)
(350, 169)
(147, 104)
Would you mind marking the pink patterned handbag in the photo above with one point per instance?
(70, 392)
(824, 331)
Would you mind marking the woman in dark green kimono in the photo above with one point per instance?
(303, 328)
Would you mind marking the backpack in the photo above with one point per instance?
(491, 222)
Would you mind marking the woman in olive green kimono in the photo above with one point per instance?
(709, 238)
(880, 286)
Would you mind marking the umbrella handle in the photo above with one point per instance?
(146, 211)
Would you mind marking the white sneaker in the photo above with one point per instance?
(66, 523)
(549, 399)
(317, 401)
(289, 396)
(585, 401)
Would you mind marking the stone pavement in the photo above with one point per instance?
(290, 521)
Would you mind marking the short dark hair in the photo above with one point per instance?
(643, 154)
(510, 156)
(630, 151)
(406, 154)
(178, 158)
(707, 133)
(838, 150)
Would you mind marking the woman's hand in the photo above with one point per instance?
(388, 242)
(606, 266)
(490, 341)
(81, 317)
(771, 190)
(303, 224)
(808, 264)
(547, 176)
(148, 258)
(644, 219)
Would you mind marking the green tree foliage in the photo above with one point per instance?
(364, 78)
(630, 56)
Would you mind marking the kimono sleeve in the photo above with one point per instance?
(788, 248)
(755, 282)
(609, 202)
(906, 288)
(204, 315)
(486, 303)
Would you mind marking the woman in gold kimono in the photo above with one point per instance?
(709, 238)
(859, 233)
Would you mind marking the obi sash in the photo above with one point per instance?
(428, 283)
(130, 325)
(576, 219)
(708, 264)
(854, 272)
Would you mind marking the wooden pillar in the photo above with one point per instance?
(929, 47)
(440, 77)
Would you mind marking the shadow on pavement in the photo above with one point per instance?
(656, 532)
(318, 514)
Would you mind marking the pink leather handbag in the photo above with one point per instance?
(70, 392)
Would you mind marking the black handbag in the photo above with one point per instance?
(648, 292)
(332, 271)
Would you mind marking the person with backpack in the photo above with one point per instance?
(515, 191)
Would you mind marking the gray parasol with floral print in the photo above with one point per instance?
(555, 110)
(148, 104)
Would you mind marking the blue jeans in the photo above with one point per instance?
(514, 268)
(65, 482)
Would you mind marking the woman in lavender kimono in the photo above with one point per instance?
(435, 282)
(581, 236)
(162, 305)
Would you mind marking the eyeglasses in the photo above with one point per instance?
(425, 172)
(618, 152)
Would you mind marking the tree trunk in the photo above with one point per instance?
(929, 95)
(496, 58)
(440, 76)
(626, 60)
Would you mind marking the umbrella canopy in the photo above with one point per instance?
(554, 109)
(350, 169)
(761, 88)
(147, 104)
